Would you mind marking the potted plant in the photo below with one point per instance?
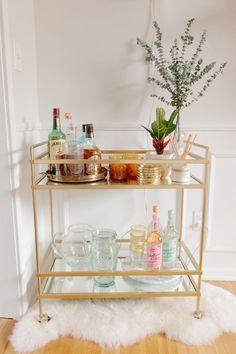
(178, 74)
(161, 128)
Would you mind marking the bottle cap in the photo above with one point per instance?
(68, 115)
(56, 112)
(89, 130)
(84, 128)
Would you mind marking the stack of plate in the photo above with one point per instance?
(147, 174)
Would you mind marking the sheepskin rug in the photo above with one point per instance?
(122, 322)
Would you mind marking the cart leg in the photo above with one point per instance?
(42, 317)
(198, 314)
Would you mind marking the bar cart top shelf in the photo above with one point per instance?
(39, 160)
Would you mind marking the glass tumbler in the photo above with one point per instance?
(74, 151)
(137, 242)
(132, 167)
(118, 172)
(104, 255)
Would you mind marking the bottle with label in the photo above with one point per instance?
(170, 238)
(56, 140)
(91, 152)
(154, 243)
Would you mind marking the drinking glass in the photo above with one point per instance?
(137, 242)
(104, 255)
(132, 167)
(118, 172)
(74, 150)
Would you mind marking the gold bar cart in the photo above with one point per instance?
(50, 268)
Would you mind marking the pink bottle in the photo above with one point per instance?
(154, 244)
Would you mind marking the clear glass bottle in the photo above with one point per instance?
(154, 243)
(82, 138)
(56, 140)
(91, 152)
(170, 238)
(69, 126)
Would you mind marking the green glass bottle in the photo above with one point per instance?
(56, 139)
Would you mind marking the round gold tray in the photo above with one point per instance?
(78, 179)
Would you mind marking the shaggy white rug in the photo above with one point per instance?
(123, 322)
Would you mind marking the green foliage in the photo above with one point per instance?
(161, 128)
(178, 74)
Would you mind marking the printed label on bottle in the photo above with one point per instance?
(92, 169)
(154, 256)
(169, 250)
(55, 147)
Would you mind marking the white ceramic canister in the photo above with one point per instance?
(181, 173)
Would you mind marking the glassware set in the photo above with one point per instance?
(85, 248)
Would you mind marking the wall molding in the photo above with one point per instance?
(209, 247)
(129, 126)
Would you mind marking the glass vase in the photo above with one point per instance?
(104, 255)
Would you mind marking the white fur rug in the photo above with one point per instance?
(123, 322)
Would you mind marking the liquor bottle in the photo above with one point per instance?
(82, 138)
(56, 139)
(159, 226)
(69, 126)
(91, 152)
(154, 243)
(170, 242)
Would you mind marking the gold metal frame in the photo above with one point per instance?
(40, 182)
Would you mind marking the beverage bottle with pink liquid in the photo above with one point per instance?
(154, 243)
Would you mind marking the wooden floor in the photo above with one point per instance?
(155, 344)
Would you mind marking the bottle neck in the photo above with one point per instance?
(170, 218)
(154, 222)
(56, 123)
(89, 135)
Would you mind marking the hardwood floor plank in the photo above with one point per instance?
(6, 326)
(153, 344)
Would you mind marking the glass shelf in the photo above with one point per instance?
(108, 184)
(63, 281)
(85, 287)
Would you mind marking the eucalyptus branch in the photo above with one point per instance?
(178, 74)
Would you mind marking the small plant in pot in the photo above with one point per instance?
(161, 129)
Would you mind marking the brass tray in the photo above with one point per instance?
(77, 179)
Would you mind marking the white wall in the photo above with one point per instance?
(89, 63)
(22, 111)
(83, 57)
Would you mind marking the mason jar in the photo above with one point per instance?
(104, 255)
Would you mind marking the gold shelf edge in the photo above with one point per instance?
(117, 295)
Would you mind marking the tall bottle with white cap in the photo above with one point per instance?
(170, 238)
